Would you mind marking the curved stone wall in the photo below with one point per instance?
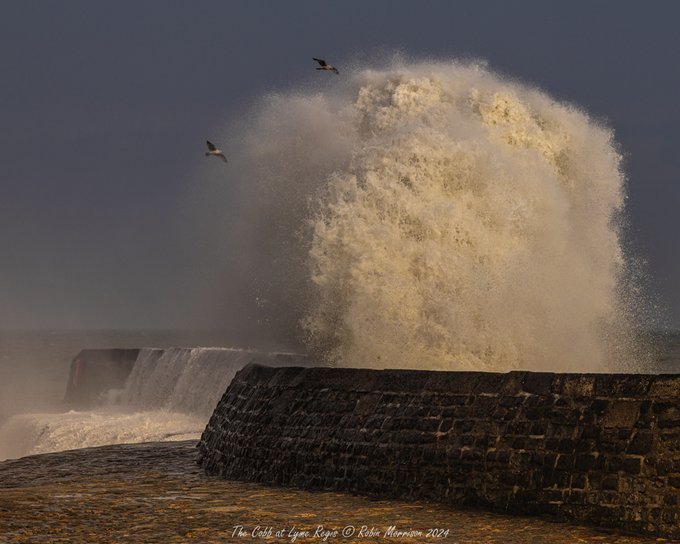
(595, 448)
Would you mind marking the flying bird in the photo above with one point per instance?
(212, 150)
(326, 66)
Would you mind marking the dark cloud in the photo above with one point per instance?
(105, 109)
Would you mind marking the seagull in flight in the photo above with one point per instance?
(212, 150)
(326, 66)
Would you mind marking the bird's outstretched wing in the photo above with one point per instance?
(211, 146)
(320, 61)
(221, 156)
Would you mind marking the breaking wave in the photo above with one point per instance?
(437, 215)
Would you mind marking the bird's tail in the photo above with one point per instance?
(207, 154)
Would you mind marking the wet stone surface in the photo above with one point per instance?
(156, 493)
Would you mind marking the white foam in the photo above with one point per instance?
(29, 434)
(459, 220)
(188, 380)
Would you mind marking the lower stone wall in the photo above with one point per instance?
(595, 448)
(94, 371)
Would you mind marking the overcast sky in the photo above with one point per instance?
(105, 106)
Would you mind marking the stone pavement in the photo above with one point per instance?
(147, 493)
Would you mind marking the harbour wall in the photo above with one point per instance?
(177, 379)
(94, 371)
(593, 448)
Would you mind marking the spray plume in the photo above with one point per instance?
(436, 215)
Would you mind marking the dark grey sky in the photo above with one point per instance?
(104, 108)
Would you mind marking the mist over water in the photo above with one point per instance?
(437, 215)
(169, 394)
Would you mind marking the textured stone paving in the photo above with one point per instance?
(151, 493)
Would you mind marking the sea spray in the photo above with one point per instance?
(436, 215)
(169, 395)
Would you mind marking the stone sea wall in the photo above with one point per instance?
(178, 379)
(594, 448)
(94, 371)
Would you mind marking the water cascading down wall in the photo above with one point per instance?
(594, 448)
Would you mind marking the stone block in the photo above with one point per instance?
(622, 413)
(665, 387)
(538, 383)
(642, 443)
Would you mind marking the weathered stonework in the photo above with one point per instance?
(94, 371)
(595, 448)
